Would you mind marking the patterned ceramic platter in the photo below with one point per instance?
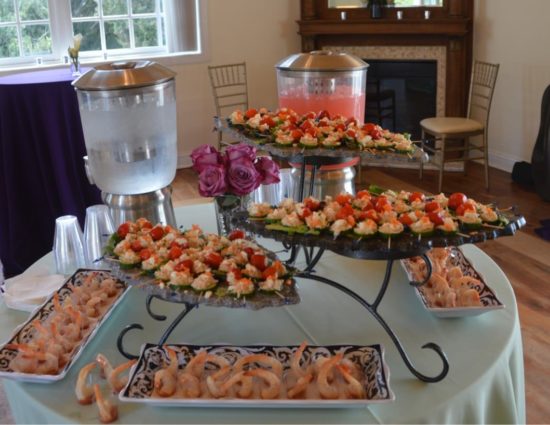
(487, 296)
(369, 359)
(26, 332)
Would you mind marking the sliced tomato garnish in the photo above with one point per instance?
(145, 254)
(312, 204)
(456, 199)
(297, 134)
(175, 252)
(306, 212)
(184, 265)
(376, 134)
(236, 234)
(213, 260)
(136, 246)
(406, 220)
(323, 114)
(123, 230)
(432, 206)
(416, 196)
(369, 127)
(179, 245)
(435, 218)
(250, 113)
(363, 194)
(259, 261)
(381, 203)
(269, 121)
(343, 198)
(237, 273)
(249, 252)
(351, 121)
(157, 233)
(373, 215)
(461, 209)
(345, 212)
(351, 134)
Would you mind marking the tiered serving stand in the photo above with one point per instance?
(313, 246)
(405, 246)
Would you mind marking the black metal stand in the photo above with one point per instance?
(120, 340)
(372, 308)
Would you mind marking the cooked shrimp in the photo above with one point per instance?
(106, 369)
(295, 361)
(319, 363)
(454, 273)
(108, 412)
(196, 365)
(300, 386)
(272, 380)
(273, 363)
(48, 363)
(93, 306)
(325, 389)
(41, 329)
(66, 343)
(469, 298)
(354, 387)
(438, 284)
(109, 287)
(166, 379)
(245, 390)
(117, 382)
(212, 382)
(84, 391)
(190, 385)
(24, 361)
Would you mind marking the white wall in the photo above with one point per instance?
(260, 32)
(515, 34)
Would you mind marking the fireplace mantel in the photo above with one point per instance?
(450, 26)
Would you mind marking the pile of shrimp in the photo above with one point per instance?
(54, 339)
(447, 287)
(87, 390)
(259, 376)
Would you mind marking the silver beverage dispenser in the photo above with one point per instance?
(128, 113)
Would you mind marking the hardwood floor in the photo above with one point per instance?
(524, 258)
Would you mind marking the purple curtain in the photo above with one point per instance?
(42, 173)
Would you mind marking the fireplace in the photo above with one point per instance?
(400, 93)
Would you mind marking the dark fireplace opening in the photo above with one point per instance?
(400, 94)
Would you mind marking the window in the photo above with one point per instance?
(34, 31)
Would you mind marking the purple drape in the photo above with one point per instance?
(42, 173)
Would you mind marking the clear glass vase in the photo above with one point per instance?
(75, 68)
(226, 207)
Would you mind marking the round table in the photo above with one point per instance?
(41, 166)
(485, 383)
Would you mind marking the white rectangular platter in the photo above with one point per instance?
(24, 333)
(456, 258)
(369, 359)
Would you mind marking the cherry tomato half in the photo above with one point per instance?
(236, 234)
(456, 199)
(157, 233)
(123, 230)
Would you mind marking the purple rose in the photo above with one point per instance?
(243, 177)
(205, 156)
(240, 151)
(268, 169)
(212, 181)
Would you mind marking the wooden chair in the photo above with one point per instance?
(229, 86)
(442, 129)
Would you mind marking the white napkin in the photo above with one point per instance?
(27, 291)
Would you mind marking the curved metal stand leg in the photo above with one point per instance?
(372, 309)
(177, 320)
(313, 260)
(429, 271)
(160, 318)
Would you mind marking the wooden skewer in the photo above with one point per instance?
(463, 235)
(280, 295)
(492, 226)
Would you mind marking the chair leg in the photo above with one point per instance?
(486, 159)
(442, 164)
(421, 166)
(466, 152)
(219, 140)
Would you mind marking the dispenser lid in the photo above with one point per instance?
(322, 60)
(124, 75)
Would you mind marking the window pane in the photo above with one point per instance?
(7, 13)
(117, 34)
(83, 8)
(91, 38)
(30, 10)
(145, 32)
(9, 48)
(143, 6)
(115, 7)
(37, 39)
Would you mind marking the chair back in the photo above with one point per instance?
(482, 87)
(229, 87)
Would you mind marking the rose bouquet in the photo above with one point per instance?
(237, 171)
(230, 176)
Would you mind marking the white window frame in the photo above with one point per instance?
(62, 35)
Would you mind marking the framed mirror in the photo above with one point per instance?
(353, 4)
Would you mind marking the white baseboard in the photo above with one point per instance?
(502, 161)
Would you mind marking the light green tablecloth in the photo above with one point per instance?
(485, 383)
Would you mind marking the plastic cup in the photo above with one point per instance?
(97, 229)
(68, 247)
